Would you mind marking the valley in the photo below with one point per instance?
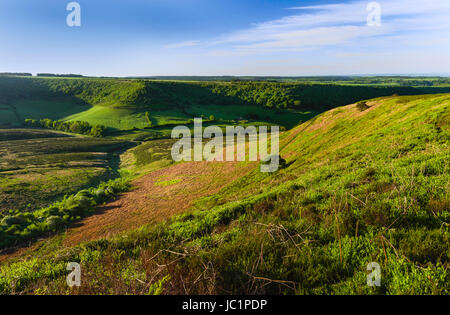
(366, 180)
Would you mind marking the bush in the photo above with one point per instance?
(80, 127)
(18, 219)
(282, 162)
(100, 194)
(85, 203)
(54, 222)
(23, 226)
(362, 106)
(10, 220)
(84, 193)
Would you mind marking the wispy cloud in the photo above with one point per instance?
(337, 25)
(333, 39)
(189, 43)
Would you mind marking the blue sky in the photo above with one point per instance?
(225, 37)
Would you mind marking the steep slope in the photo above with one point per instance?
(363, 184)
(393, 132)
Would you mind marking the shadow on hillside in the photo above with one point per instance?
(35, 99)
(68, 97)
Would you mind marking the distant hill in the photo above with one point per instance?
(122, 103)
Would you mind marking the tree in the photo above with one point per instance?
(98, 131)
(147, 115)
(362, 106)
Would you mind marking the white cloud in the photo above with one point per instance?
(336, 25)
(333, 39)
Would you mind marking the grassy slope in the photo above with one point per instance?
(118, 118)
(361, 187)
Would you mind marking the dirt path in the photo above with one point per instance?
(157, 196)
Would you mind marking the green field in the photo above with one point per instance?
(117, 118)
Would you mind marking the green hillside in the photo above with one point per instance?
(362, 184)
(123, 103)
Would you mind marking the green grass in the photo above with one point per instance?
(172, 116)
(360, 187)
(117, 118)
(165, 183)
(148, 156)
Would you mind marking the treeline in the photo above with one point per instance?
(402, 81)
(70, 75)
(373, 80)
(164, 94)
(26, 74)
(79, 127)
(311, 95)
(18, 74)
(182, 94)
(83, 91)
(307, 96)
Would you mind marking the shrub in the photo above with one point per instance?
(85, 203)
(53, 222)
(282, 162)
(17, 219)
(362, 106)
(109, 191)
(83, 193)
(100, 194)
(9, 220)
(80, 127)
